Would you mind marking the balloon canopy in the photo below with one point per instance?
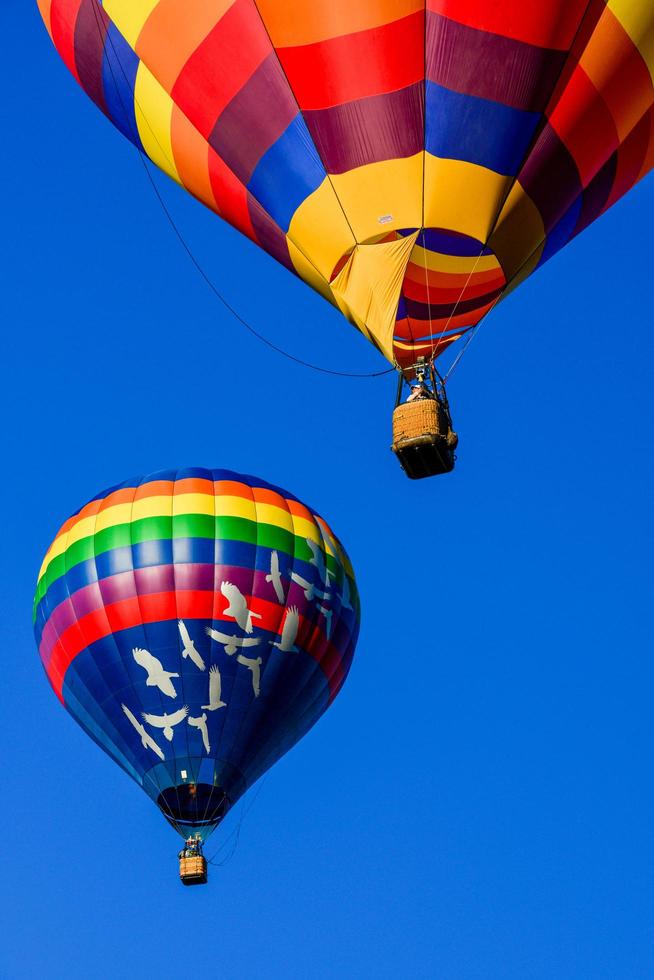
(412, 160)
(196, 624)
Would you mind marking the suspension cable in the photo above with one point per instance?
(199, 268)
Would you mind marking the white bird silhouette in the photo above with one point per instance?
(253, 665)
(189, 646)
(167, 722)
(318, 560)
(201, 724)
(275, 577)
(157, 676)
(327, 613)
(289, 631)
(215, 691)
(310, 590)
(146, 741)
(232, 643)
(237, 606)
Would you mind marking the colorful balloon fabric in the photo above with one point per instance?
(412, 160)
(196, 624)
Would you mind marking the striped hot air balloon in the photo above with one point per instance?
(196, 624)
(412, 160)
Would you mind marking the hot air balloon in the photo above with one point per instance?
(196, 624)
(412, 160)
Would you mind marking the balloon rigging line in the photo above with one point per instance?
(504, 292)
(500, 295)
(214, 289)
(471, 336)
(230, 308)
(236, 832)
(500, 208)
(456, 305)
(236, 836)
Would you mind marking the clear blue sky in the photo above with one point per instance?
(478, 802)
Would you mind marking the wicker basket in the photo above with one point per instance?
(415, 420)
(193, 870)
(423, 439)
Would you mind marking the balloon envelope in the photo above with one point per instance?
(412, 160)
(196, 624)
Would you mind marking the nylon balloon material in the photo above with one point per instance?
(411, 160)
(196, 624)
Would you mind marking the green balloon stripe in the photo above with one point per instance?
(179, 526)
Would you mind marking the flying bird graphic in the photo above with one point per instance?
(289, 631)
(318, 560)
(232, 643)
(201, 724)
(146, 741)
(189, 646)
(167, 722)
(255, 667)
(215, 692)
(310, 590)
(157, 676)
(275, 577)
(327, 613)
(237, 606)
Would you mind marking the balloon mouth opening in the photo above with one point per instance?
(193, 806)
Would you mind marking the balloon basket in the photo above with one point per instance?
(423, 440)
(192, 863)
(193, 870)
